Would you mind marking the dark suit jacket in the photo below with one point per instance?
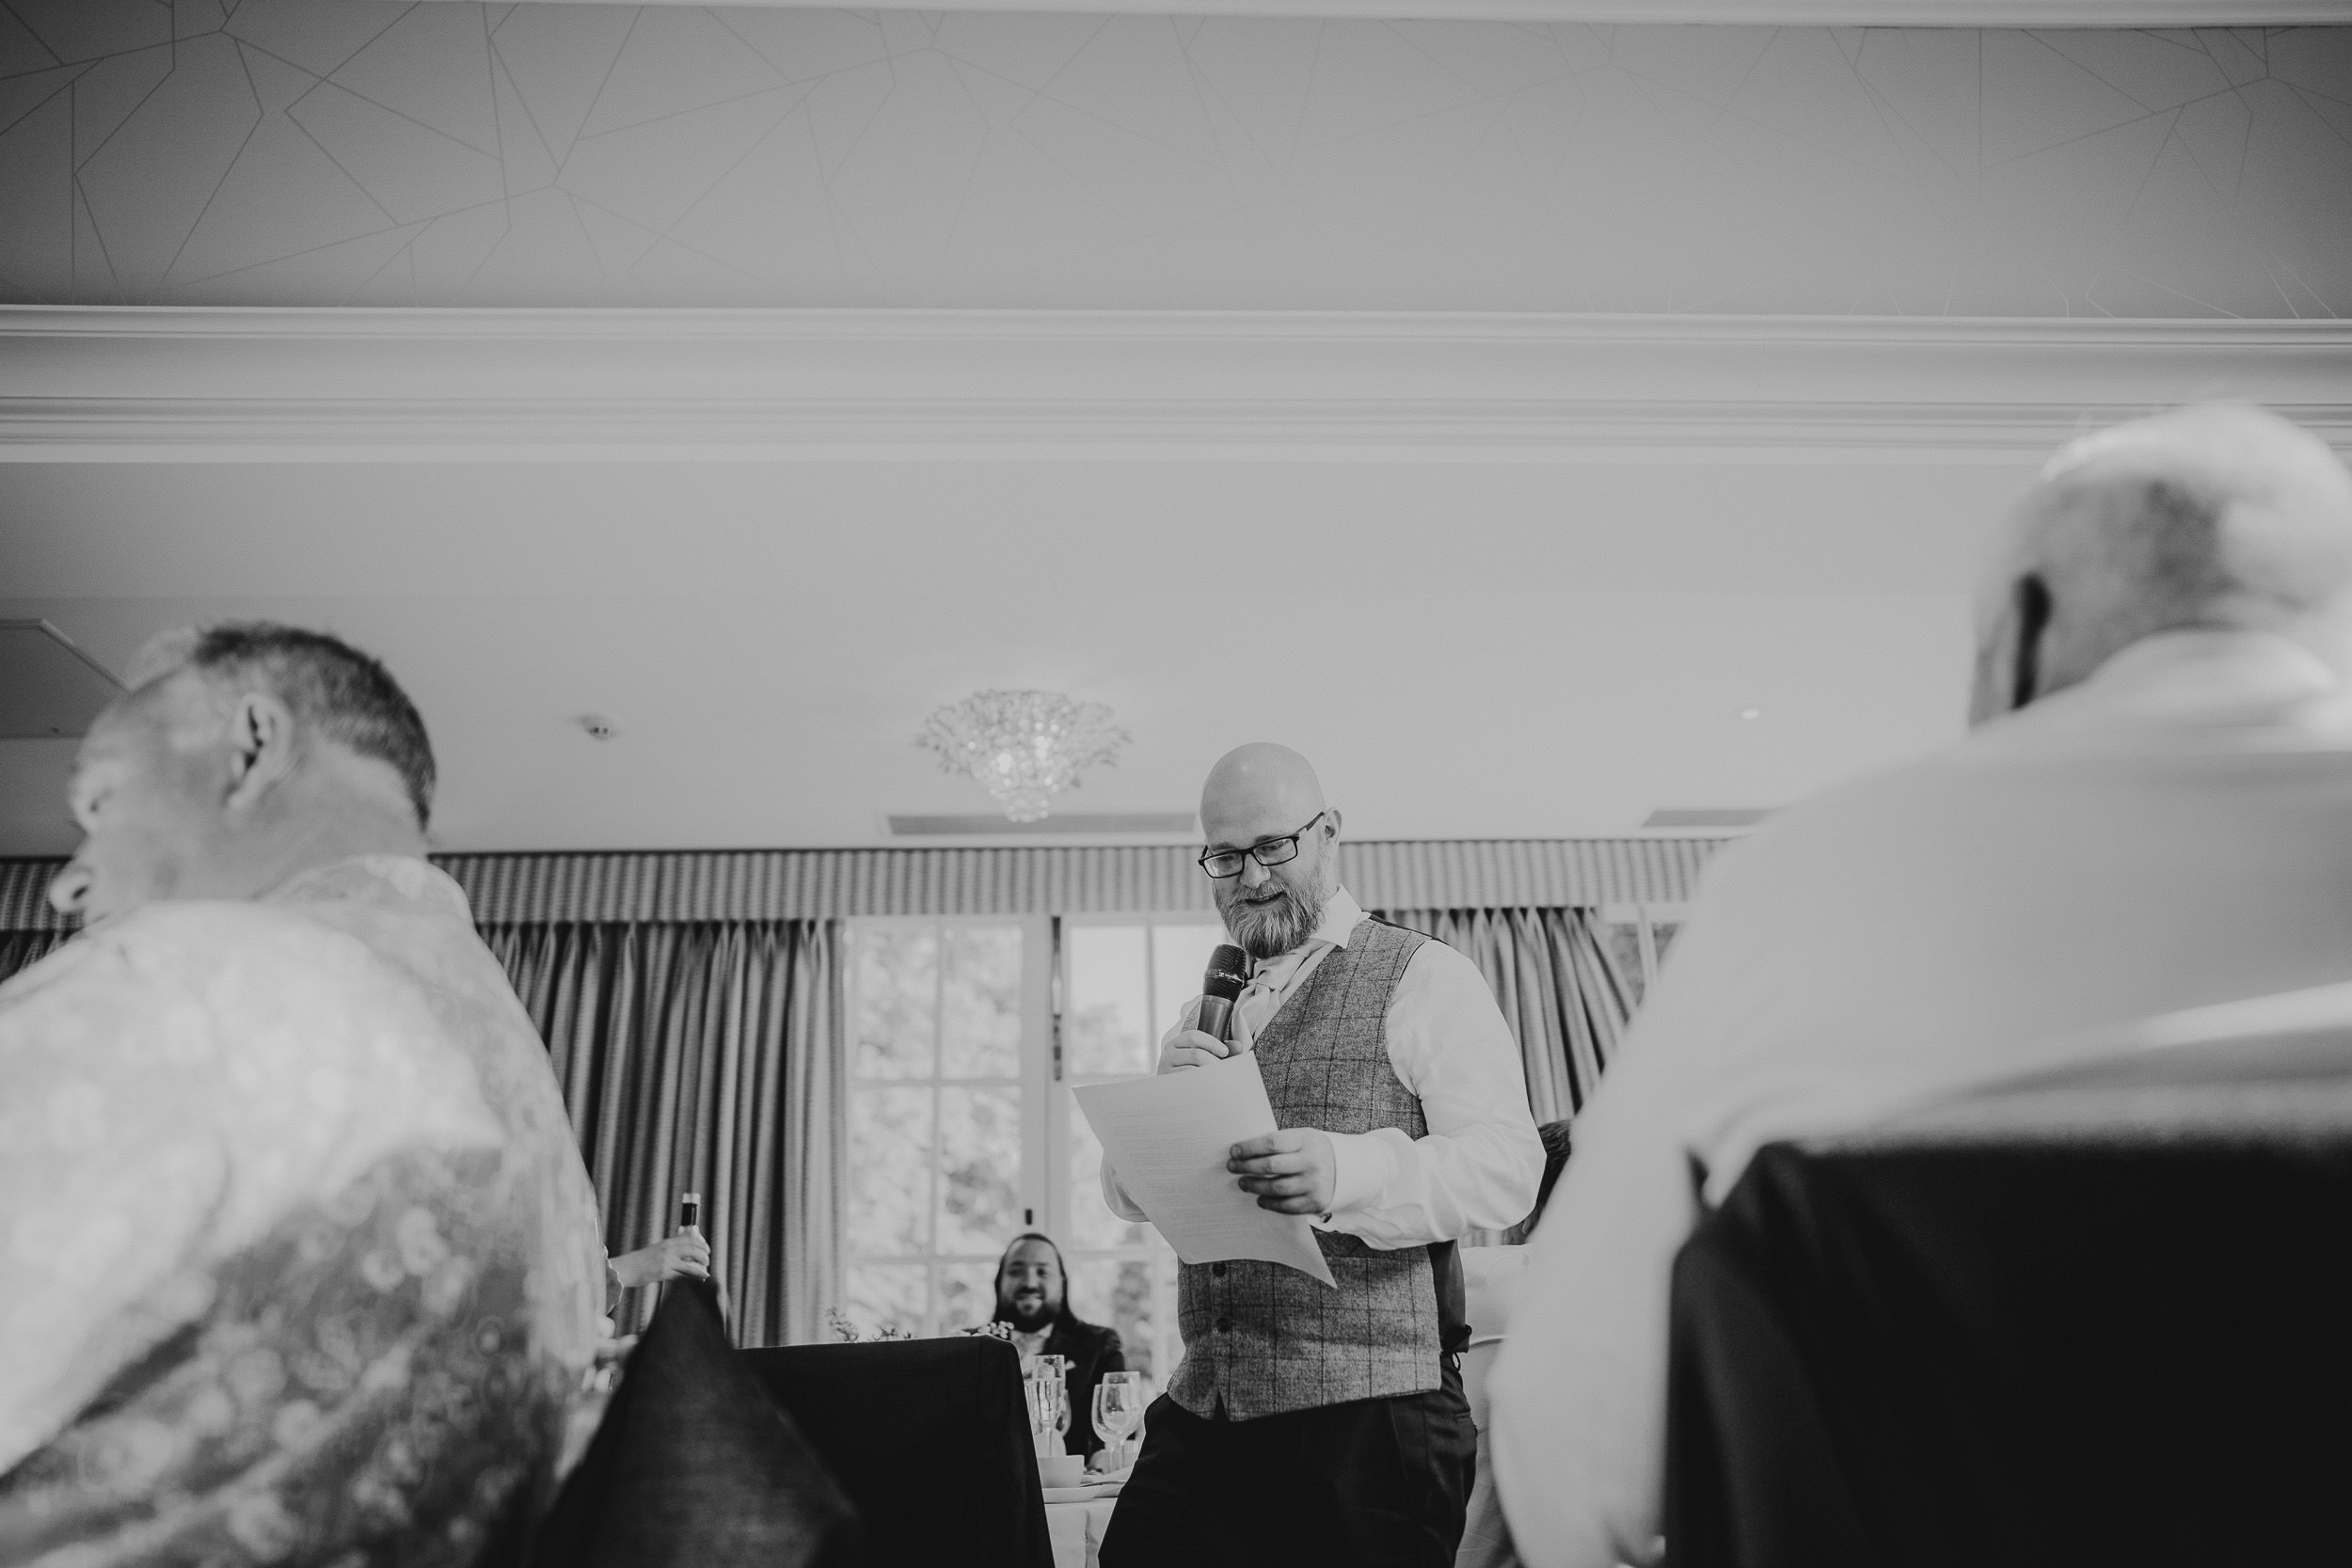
(1092, 1351)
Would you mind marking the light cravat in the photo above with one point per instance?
(1269, 979)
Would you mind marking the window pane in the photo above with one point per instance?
(890, 1165)
(980, 1010)
(1091, 1222)
(1180, 956)
(1104, 1027)
(980, 1169)
(875, 1296)
(1623, 943)
(898, 989)
(967, 1294)
(1117, 1291)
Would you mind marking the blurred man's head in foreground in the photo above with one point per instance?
(2219, 516)
(241, 755)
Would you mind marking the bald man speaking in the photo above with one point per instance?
(1309, 1424)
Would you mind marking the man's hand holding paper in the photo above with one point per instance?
(1180, 1140)
(1292, 1172)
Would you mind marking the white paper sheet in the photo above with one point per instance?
(1169, 1137)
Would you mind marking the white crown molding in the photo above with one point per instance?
(100, 384)
(1775, 13)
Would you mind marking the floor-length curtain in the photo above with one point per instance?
(703, 1056)
(24, 949)
(1563, 996)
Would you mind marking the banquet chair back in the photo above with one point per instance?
(930, 1440)
(694, 1466)
(2095, 1318)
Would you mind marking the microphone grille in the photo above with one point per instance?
(1228, 971)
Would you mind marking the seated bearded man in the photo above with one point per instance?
(298, 1262)
(1033, 1303)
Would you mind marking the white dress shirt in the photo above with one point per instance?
(2175, 831)
(1481, 1162)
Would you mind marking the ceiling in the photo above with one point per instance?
(1466, 649)
(1478, 622)
(1796, 13)
(289, 152)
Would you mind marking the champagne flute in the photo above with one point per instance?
(1055, 1370)
(1118, 1410)
(1038, 1387)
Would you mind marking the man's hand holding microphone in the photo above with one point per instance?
(1290, 1171)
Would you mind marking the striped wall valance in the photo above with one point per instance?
(782, 884)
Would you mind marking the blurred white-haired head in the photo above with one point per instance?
(2217, 515)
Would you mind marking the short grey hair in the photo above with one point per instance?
(2215, 514)
(326, 682)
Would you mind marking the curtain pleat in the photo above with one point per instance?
(704, 1056)
(23, 949)
(1563, 996)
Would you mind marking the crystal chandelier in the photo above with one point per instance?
(1026, 747)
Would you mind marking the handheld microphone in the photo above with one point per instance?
(689, 1211)
(1220, 988)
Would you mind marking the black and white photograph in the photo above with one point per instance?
(1125, 783)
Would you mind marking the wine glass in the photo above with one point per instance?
(1118, 1410)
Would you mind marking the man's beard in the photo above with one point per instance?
(1030, 1314)
(1268, 929)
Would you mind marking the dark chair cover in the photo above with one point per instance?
(694, 1466)
(2073, 1339)
(930, 1439)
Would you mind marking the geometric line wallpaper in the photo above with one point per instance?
(287, 152)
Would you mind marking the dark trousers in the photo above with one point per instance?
(1370, 1483)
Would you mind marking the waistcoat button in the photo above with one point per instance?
(1217, 1268)
(1225, 1325)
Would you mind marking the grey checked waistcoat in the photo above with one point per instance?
(1266, 1339)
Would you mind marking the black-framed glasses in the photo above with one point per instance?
(1221, 863)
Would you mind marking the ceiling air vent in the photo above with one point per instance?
(49, 688)
(1096, 824)
(1707, 816)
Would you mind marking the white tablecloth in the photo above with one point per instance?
(1077, 1529)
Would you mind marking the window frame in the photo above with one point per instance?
(1032, 1067)
(1645, 919)
(1046, 1188)
(1159, 1013)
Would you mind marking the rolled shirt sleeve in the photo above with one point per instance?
(1115, 1197)
(1479, 1162)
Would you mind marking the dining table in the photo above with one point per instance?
(1077, 1530)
